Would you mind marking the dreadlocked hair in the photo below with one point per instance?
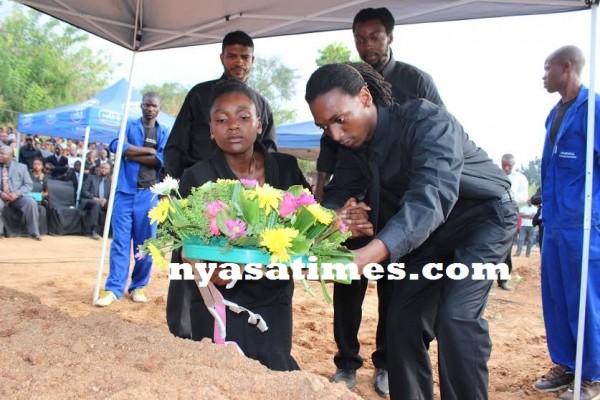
(349, 78)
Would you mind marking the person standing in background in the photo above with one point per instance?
(563, 186)
(142, 158)
(519, 189)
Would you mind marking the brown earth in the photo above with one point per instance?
(55, 344)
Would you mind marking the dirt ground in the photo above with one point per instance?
(55, 344)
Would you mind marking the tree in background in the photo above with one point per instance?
(533, 173)
(46, 63)
(171, 95)
(276, 82)
(334, 53)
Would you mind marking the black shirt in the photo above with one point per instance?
(560, 115)
(426, 162)
(147, 174)
(27, 155)
(190, 141)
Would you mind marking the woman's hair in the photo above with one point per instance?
(349, 78)
(233, 86)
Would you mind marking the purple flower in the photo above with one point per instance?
(236, 228)
(249, 183)
(288, 205)
(214, 207)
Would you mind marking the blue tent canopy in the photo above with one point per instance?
(102, 113)
(301, 135)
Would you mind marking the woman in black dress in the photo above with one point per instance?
(234, 127)
(40, 180)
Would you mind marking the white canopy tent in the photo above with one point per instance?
(144, 25)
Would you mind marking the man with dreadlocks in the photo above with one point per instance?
(409, 161)
(373, 30)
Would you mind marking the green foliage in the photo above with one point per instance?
(172, 95)
(334, 53)
(308, 168)
(46, 63)
(276, 82)
(533, 173)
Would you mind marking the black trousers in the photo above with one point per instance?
(446, 309)
(347, 316)
(91, 218)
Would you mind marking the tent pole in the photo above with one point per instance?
(18, 139)
(86, 140)
(114, 179)
(587, 209)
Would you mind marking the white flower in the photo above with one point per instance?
(166, 186)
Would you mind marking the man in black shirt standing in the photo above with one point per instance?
(437, 203)
(28, 153)
(190, 140)
(373, 30)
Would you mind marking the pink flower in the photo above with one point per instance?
(236, 229)
(288, 205)
(214, 207)
(305, 199)
(139, 255)
(213, 227)
(343, 227)
(250, 183)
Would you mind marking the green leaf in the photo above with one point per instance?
(304, 220)
(249, 208)
(300, 245)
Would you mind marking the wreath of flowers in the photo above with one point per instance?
(228, 213)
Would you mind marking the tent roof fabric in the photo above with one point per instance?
(102, 114)
(179, 23)
(301, 135)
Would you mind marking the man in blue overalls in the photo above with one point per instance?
(563, 181)
(145, 141)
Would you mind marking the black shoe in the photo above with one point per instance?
(95, 236)
(381, 384)
(503, 285)
(348, 376)
(557, 378)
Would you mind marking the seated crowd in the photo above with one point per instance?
(24, 185)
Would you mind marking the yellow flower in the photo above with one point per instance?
(278, 241)
(268, 197)
(183, 203)
(160, 212)
(157, 256)
(322, 215)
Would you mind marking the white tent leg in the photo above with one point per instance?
(86, 141)
(113, 188)
(18, 139)
(587, 210)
